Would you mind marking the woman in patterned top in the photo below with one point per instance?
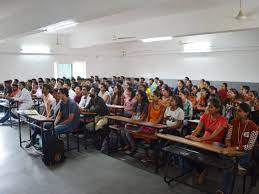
(241, 136)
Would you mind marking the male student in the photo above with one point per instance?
(24, 100)
(98, 106)
(49, 104)
(38, 93)
(68, 117)
(71, 92)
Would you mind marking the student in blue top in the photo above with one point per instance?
(68, 117)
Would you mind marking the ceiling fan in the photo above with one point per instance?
(241, 14)
(116, 38)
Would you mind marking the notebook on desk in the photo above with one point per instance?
(28, 112)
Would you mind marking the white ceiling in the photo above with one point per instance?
(99, 20)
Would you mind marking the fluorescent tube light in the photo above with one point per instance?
(35, 49)
(197, 47)
(60, 26)
(155, 39)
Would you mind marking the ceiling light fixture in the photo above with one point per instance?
(60, 26)
(197, 47)
(35, 49)
(156, 39)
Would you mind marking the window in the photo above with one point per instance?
(79, 69)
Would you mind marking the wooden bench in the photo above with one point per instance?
(148, 138)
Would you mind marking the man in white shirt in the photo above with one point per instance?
(38, 93)
(71, 92)
(24, 102)
(85, 98)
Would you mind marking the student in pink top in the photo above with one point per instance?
(129, 102)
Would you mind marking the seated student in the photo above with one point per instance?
(233, 100)
(166, 96)
(136, 84)
(78, 91)
(152, 85)
(104, 94)
(23, 98)
(129, 102)
(85, 99)
(212, 123)
(7, 88)
(34, 87)
(68, 117)
(48, 100)
(15, 90)
(187, 105)
(223, 92)
(174, 115)
(49, 105)
(214, 126)
(202, 100)
(213, 90)
(241, 136)
(140, 113)
(29, 85)
(244, 93)
(188, 85)
(71, 92)
(108, 84)
(59, 84)
(98, 106)
(117, 98)
(160, 83)
(180, 86)
(38, 93)
(193, 95)
(253, 95)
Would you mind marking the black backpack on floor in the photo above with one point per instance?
(53, 152)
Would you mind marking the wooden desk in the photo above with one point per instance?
(200, 145)
(140, 123)
(136, 122)
(30, 119)
(116, 108)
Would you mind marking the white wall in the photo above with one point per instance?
(25, 67)
(237, 66)
(218, 66)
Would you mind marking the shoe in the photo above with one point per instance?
(219, 192)
(29, 145)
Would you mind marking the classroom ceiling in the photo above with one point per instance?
(99, 20)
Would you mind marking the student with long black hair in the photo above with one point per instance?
(140, 113)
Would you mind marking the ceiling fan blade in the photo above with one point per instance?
(123, 38)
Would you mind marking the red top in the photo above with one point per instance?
(210, 125)
(223, 95)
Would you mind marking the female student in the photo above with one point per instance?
(241, 136)
(174, 115)
(202, 100)
(140, 113)
(117, 98)
(214, 126)
(104, 94)
(166, 94)
(129, 102)
(187, 105)
(232, 102)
